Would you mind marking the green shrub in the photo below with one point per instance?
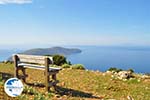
(23, 97)
(131, 70)
(148, 74)
(133, 81)
(54, 65)
(40, 97)
(69, 63)
(29, 90)
(78, 66)
(114, 69)
(59, 60)
(50, 95)
(65, 66)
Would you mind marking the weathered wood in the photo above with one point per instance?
(54, 69)
(22, 77)
(15, 58)
(32, 66)
(32, 59)
(21, 62)
(40, 67)
(52, 73)
(54, 78)
(24, 74)
(53, 83)
(46, 74)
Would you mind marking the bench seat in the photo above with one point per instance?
(40, 67)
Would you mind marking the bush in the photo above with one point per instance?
(131, 70)
(54, 65)
(78, 66)
(59, 60)
(40, 97)
(29, 90)
(148, 74)
(114, 69)
(69, 63)
(23, 97)
(65, 66)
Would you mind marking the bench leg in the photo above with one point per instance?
(54, 78)
(16, 72)
(24, 74)
(15, 66)
(47, 81)
(47, 61)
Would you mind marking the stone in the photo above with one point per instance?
(145, 77)
(129, 98)
(124, 75)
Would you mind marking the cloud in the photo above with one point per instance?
(15, 1)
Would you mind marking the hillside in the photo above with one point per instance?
(82, 85)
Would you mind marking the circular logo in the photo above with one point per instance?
(13, 87)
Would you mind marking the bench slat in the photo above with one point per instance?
(33, 58)
(32, 61)
(40, 67)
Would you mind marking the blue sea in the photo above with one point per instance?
(6, 53)
(103, 57)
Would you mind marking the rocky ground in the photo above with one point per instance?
(84, 85)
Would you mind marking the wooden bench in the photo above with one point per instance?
(21, 62)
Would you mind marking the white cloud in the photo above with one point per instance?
(15, 1)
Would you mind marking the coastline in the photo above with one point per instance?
(102, 58)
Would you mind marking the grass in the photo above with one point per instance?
(82, 85)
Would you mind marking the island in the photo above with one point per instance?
(52, 51)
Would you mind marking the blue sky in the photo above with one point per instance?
(74, 22)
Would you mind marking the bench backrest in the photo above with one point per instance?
(22, 58)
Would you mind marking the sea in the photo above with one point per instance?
(6, 53)
(103, 57)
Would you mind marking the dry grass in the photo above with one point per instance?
(83, 85)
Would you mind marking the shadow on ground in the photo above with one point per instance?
(6, 76)
(66, 91)
(74, 93)
(35, 84)
(59, 90)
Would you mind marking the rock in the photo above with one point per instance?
(63, 84)
(109, 72)
(145, 77)
(129, 98)
(124, 75)
(104, 74)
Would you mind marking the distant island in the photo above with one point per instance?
(50, 51)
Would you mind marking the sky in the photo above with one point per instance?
(74, 22)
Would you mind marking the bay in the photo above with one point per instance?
(103, 57)
(6, 53)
